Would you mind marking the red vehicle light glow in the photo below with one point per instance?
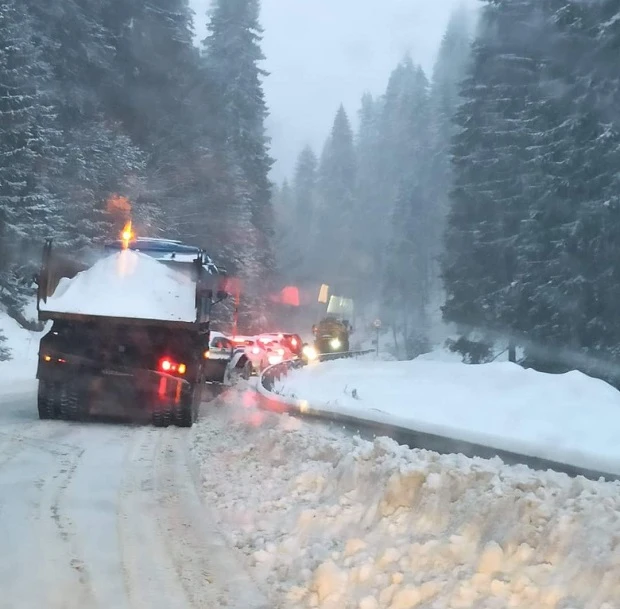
(168, 365)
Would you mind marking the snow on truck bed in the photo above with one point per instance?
(127, 284)
(569, 418)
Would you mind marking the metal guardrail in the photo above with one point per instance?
(413, 439)
(327, 357)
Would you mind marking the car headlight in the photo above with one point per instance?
(335, 343)
(310, 353)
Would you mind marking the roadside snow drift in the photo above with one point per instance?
(127, 284)
(23, 346)
(333, 522)
(569, 418)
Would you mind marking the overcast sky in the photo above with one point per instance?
(321, 53)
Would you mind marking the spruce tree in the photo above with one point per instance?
(369, 192)
(449, 71)
(496, 169)
(289, 253)
(232, 57)
(572, 296)
(410, 245)
(97, 158)
(305, 201)
(28, 211)
(337, 207)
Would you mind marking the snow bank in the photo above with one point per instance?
(24, 347)
(332, 522)
(569, 418)
(127, 284)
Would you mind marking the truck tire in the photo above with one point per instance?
(186, 412)
(162, 418)
(47, 402)
(70, 407)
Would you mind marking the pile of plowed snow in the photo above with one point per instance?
(330, 521)
(569, 418)
(127, 284)
(23, 347)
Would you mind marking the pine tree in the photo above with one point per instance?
(97, 158)
(496, 171)
(304, 222)
(27, 147)
(403, 144)
(410, 246)
(305, 184)
(289, 253)
(232, 56)
(369, 191)
(572, 296)
(337, 207)
(449, 71)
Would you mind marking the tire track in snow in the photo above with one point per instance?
(206, 565)
(32, 436)
(33, 530)
(149, 574)
(64, 526)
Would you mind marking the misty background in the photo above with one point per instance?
(442, 167)
(323, 53)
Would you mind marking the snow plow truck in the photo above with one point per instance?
(129, 334)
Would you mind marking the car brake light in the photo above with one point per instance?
(168, 365)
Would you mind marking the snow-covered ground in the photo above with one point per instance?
(104, 515)
(330, 521)
(569, 418)
(250, 510)
(24, 347)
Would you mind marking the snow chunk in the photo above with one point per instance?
(460, 533)
(329, 581)
(127, 284)
(491, 559)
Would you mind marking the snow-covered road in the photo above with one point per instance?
(252, 510)
(106, 515)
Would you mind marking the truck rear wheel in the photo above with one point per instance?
(187, 410)
(47, 402)
(70, 407)
(162, 418)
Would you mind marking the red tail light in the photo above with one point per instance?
(168, 365)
